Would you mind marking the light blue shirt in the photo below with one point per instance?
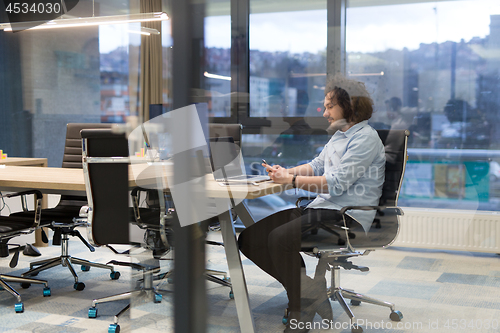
(353, 163)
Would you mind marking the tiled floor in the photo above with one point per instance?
(437, 291)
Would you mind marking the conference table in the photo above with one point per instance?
(24, 161)
(29, 161)
(71, 181)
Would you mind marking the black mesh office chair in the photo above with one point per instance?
(61, 218)
(105, 166)
(382, 233)
(12, 226)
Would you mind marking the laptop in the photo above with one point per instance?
(226, 163)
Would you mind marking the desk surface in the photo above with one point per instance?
(71, 181)
(26, 161)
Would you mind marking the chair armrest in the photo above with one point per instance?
(397, 210)
(135, 190)
(38, 204)
(135, 203)
(84, 212)
(37, 193)
(300, 199)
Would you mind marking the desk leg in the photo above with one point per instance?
(244, 214)
(38, 232)
(240, 291)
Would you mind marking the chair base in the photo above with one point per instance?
(210, 275)
(146, 290)
(19, 307)
(339, 294)
(334, 261)
(66, 260)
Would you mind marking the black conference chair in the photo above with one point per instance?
(222, 130)
(215, 130)
(61, 219)
(105, 166)
(12, 226)
(382, 233)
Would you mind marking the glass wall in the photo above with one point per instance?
(433, 68)
(66, 75)
(287, 61)
(287, 72)
(116, 45)
(217, 75)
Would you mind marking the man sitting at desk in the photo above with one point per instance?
(349, 171)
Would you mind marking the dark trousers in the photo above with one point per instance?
(274, 245)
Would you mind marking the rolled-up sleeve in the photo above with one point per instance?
(318, 163)
(356, 161)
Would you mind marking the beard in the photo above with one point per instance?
(335, 126)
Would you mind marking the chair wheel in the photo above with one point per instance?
(355, 303)
(93, 312)
(85, 268)
(114, 328)
(46, 292)
(114, 275)
(341, 242)
(351, 235)
(314, 231)
(79, 286)
(396, 315)
(231, 294)
(19, 307)
(158, 298)
(356, 329)
(25, 285)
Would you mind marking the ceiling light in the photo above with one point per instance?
(216, 76)
(144, 31)
(85, 21)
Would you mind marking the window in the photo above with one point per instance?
(287, 59)
(437, 76)
(217, 74)
(116, 42)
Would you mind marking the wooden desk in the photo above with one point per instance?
(47, 180)
(26, 161)
(35, 162)
(71, 181)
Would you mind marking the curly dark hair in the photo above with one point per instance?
(352, 97)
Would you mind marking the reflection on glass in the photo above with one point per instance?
(217, 75)
(287, 61)
(116, 42)
(287, 80)
(438, 77)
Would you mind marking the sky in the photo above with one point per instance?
(369, 29)
(114, 36)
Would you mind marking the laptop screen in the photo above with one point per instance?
(223, 154)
